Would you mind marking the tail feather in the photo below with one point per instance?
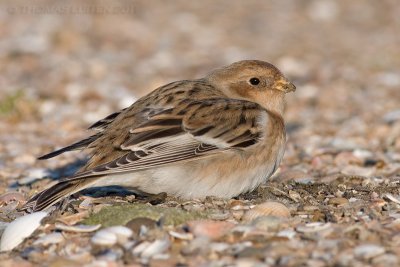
(78, 145)
(57, 192)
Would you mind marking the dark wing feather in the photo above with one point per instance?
(75, 146)
(103, 123)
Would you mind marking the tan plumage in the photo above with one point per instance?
(216, 136)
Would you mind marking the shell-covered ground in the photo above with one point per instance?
(64, 65)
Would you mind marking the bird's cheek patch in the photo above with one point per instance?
(241, 90)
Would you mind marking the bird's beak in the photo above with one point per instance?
(285, 86)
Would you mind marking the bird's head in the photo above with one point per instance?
(255, 81)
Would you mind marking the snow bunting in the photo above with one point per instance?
(221, 135)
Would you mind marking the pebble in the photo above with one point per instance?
(104, 238)
(53, 238)
(323, 10)
(338, 201)
(209, 228)
(358, 170)
(392, 116)
(385, 260)
(288, 233)
(313, 227)
(293, 66)
(267, 223)
(295, 175)
(33, 175)
(345, 158)
(368, 251)
(11, 196)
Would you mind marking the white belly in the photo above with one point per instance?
(208, 177)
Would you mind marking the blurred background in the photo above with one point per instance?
(64, 65)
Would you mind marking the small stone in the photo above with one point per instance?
(288, 233)
(53, 238)
(338, 201)
(385, 260)
(267, 223)
(368, 251)
(392, 116)
(358, 170)
(346, 158)
(209, 228)
(313, 227)
(11, 196)
(33, 175)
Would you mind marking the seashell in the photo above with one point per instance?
(180, 235)
(20, 229)
(81, 228)
(111, 235)
(269, 208)
(137, 250)
(52, 238)
(123, 233)
(237, 205)
(104, 238)
(156, 247)
(86, 203)
(392, 198)
(288, 233)
(313, 227)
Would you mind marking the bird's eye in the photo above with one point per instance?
(254, 81)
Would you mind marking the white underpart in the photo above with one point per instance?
(188, 180)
